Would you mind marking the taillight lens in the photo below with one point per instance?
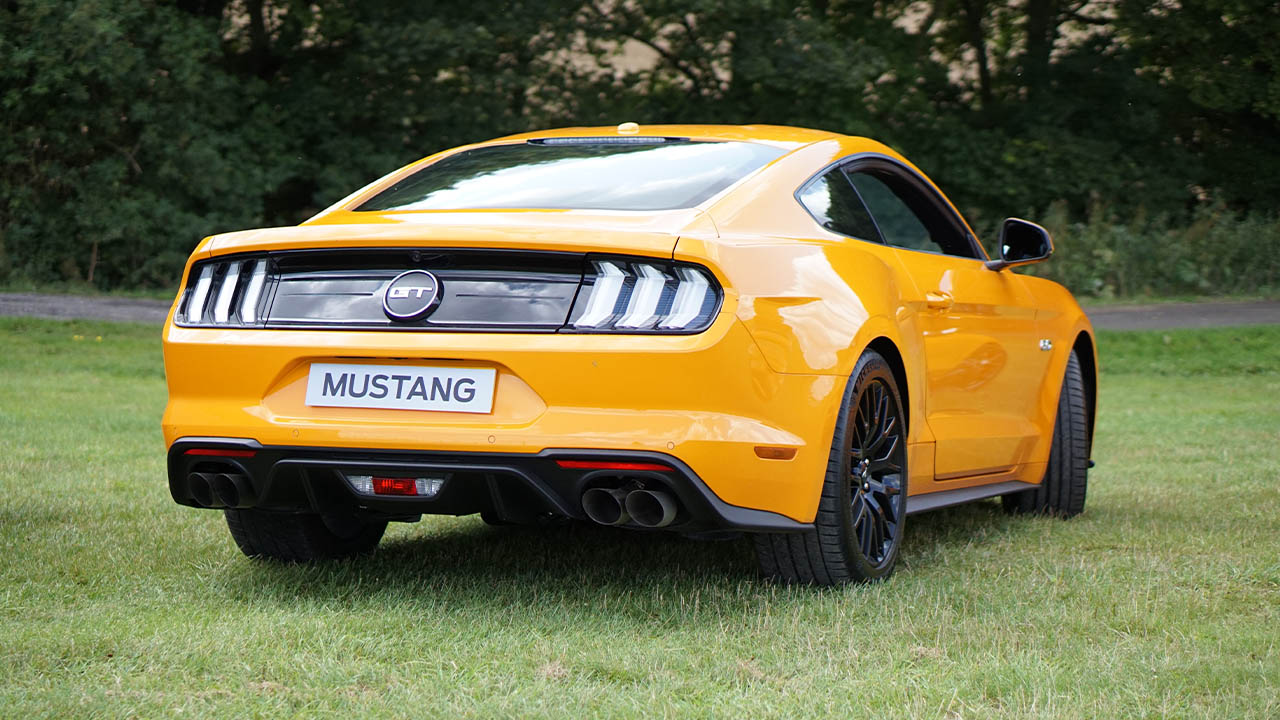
(621, 295)
(616, 295)
(226, 293)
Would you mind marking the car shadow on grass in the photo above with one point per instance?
(465, 563)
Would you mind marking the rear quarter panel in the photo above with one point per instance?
(811, 299)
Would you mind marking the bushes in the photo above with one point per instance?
(1217, 252)
(131, 128)
(121, 142)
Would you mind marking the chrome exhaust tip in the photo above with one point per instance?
(606, 506)
(651, 508)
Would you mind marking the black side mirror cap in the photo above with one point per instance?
(1021, 243)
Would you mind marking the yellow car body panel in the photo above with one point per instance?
(800, 305)
(553, 391)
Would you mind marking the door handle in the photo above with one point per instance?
(938, 300)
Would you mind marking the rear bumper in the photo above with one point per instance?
(707, 402)
(515, 487)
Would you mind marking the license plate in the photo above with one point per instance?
(401, 387)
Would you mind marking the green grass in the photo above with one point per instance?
(83, 288)
(1162, 600)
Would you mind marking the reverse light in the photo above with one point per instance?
(645, 296)
(426, 486)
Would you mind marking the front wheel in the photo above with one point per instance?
(858, 528)
(302, 537)
(1062, 490)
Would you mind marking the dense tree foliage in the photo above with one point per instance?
(133, 127)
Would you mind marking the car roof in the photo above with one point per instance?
(779, 135)
(805, 150)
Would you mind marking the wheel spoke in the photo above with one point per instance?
(879, 402)
(885, 466)
(862, 422)
(877, 549)
(886, 433)
(874, 550)
(859, 510)
(865, 527)
(882, 405)
(885, 462)
(886, 506)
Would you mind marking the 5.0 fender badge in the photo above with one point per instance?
(412, 295)
(1046, 344)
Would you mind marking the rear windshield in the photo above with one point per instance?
(577, 173)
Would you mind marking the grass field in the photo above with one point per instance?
(1162, 600)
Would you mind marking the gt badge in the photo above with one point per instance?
(412, 295)
(1046, 344)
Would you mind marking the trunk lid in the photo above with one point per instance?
(649, 233)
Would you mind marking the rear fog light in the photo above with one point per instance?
(400, 486)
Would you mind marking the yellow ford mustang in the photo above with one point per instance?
(782, 332)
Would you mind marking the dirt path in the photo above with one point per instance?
(67, 307)
(1115, 317)
(1171, 316)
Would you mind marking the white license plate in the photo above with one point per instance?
(401, 387)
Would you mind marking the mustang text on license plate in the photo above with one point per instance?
(401, 387)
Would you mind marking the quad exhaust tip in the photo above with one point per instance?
(651, 508)
(606, 506)
(201, 487)
(233, 490)
(220, 490)
(615, 506)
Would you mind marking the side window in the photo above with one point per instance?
(908, 218)
(835, 205)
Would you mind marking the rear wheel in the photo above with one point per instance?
(1062, 490)
(858, 528)
(303, 537)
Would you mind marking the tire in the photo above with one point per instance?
(1061, 492)
(492, 519)
(301, 538)
(862, 511)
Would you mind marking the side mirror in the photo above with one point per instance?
(1021, 243)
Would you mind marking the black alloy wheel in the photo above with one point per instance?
(875, 472)
(858, 528)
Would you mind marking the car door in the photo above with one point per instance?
(982, 356)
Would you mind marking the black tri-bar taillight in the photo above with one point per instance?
(227, 293)
(625, 295)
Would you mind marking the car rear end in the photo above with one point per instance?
(390, 363)
(293, 390)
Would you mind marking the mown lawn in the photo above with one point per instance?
(1162, 600)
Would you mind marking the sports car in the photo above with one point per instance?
(785, 334)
